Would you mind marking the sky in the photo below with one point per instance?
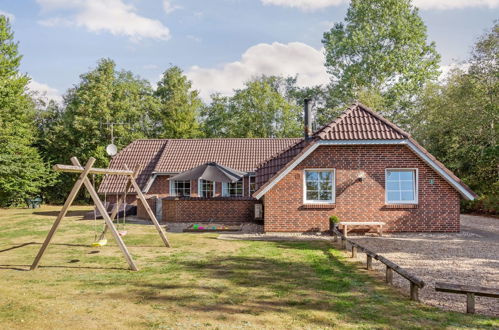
(219, 44)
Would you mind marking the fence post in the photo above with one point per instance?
(354, 251)
(414, 292)
(369, 265)
(470, 303)
(343, 243)
(389, 275)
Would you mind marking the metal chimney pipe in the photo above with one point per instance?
(307, 118)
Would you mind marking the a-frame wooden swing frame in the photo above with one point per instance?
(84, 180)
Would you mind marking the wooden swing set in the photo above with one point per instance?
(108, 219)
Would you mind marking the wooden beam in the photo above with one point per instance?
(149, 211)
(461, 288)
(109, 223)
(79, 169)
(64, 210)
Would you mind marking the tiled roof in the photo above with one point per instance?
(140, 152)
(239, 154)
(360, 123)
(174, 156)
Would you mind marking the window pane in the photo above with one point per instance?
(406, 175)
(406, 185)
(326, 196)
(407, 196)
(312, 185)
(326, 185)
(312, 175)
(325, 176)
(393, 196)
(393, 175)
(392, 185)
(312, 195)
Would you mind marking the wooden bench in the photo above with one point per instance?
(378, 225)
(469, 291)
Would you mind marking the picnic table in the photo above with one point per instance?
(376, 224)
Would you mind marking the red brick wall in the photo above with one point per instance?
(141, 211)
(218, 209)
(437, 210)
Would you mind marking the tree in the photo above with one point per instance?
(22, 171)
(82, 126)
(380, 55)
(263, 108)
(177, 113)
(458, 120)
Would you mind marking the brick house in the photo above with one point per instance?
(360, 167)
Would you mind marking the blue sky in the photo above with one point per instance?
(219, 43)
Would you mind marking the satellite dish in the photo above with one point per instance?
(111, 150)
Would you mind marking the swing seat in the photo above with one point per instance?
(122, 232)
(100, 243)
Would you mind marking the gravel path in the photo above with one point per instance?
(470, 257)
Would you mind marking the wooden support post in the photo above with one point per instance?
(343, 243)
(345, 230)
(369, 265)
(354, 251)
(389, 275)
(63, 211)
(149, 211)
(414, 292)
(105, 215)
(470, 303)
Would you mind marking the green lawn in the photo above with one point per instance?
(200, 282)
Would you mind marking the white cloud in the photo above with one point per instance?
(310, 5)
(10, 16)
(113, 16)
(168, 7)
(45, 91)
(269, 59)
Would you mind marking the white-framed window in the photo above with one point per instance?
(206, 188)
(319, 186)
(251, 184)
(180, 188)
(401, 186)
(234, 189)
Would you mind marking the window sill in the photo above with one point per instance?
(400, 206)
(318, 206)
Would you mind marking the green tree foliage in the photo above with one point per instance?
(458, 121)
(22, 171)
(263, 108)
(380, 55)
(176, 115)
(82, 127)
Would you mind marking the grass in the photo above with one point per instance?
(201, 282)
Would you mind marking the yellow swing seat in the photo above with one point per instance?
(99, 243)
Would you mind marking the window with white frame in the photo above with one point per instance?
(319, 186)
(252, 184)
(234, 189)
(401, 186)
(181, 188)
(206, 188)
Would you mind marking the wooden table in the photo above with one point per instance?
(377, 224)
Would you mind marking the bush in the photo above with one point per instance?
(334, 220)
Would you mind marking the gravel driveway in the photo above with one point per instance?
(470, 257)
